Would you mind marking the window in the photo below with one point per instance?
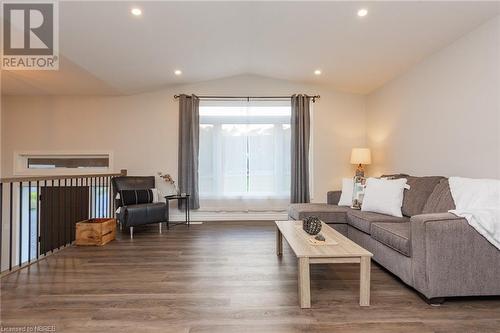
(244, 149)
(81, 162)
(61, 163)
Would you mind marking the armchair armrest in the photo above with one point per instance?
(450, 258)
(333, 197)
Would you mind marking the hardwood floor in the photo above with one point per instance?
(218, 277)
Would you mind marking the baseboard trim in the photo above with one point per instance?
(230, 216)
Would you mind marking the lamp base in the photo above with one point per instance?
(360, 172)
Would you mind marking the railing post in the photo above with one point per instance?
(29, 221)
(109, 196)
(101, 187)
(20, 223)
(11, 222)
(94, 180)
(37, 219)
(59, 216)
(1, 224)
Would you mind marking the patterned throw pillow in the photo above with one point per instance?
(136, 197)
(358, 192)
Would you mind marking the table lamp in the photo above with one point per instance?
(361, 156)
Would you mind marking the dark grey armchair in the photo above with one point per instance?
(140, 214)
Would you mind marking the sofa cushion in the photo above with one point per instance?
(362, 220)
(394, 235)
(440, 200)
(325, 212)
(333, 197)
(416, 197)
(340, 227)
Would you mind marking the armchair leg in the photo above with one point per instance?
(131, 232)
(160, 226)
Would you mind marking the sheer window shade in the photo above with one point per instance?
(244, 155)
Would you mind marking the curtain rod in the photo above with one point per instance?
(249, 97)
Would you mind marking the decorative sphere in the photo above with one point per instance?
(311, 225)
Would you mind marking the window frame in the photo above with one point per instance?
(219, 120)
(21, 163)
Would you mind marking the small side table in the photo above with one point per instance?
(179, 198)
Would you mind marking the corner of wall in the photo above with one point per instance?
(445, 108)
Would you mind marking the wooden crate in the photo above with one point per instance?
(95, 231)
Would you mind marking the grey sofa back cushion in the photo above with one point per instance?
(440, 200)
(416, 197)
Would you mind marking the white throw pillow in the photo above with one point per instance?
(156, 195)
(384, 196)
(346, 196)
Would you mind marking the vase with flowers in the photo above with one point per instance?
(170, 181)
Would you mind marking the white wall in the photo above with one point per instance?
(443, 116)
(141, 130)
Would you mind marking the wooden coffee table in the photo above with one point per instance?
(338, 250)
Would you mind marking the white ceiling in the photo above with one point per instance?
(105, 50)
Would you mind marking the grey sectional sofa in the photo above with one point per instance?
(435, 252)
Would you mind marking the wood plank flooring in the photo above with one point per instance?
(218, 277)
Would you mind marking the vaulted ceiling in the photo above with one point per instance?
(107, 51)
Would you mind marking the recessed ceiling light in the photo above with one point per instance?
(362, 12)
(317, 72)
(177, 72)
(136, 11)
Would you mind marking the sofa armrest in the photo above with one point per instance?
(333, 197)
(450, 258)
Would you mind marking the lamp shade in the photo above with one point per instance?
(361, 156)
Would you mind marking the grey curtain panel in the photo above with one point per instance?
(300, 126)
(189, 137)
